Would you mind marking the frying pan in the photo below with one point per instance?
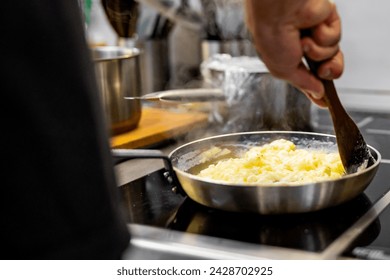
(186, 161)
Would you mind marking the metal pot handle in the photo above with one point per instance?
(170, 175)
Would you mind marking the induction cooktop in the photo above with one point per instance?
(359, 228)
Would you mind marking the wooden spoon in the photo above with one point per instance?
(353, 150)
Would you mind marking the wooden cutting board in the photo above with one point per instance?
(157, 125)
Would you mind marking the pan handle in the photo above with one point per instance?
(170, 175)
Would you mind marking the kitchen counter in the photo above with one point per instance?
(158, 242)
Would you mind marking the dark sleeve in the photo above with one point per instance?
(59, 195)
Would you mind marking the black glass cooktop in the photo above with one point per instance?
(150, 201)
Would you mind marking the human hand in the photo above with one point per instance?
(276, 27)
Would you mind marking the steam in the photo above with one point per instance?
(218, 17)
(255, 100)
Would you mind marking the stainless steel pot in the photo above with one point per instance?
(255, 100)
(118, 73)
(186, 161)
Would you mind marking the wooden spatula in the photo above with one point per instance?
(353, 149)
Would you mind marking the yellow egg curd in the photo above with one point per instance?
(277, 163)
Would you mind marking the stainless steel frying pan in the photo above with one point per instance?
(187, 160)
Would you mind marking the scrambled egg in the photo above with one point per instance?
(277, 163)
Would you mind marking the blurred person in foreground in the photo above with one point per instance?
(59, 195)
(276, 27)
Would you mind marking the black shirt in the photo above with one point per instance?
(59, 198)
